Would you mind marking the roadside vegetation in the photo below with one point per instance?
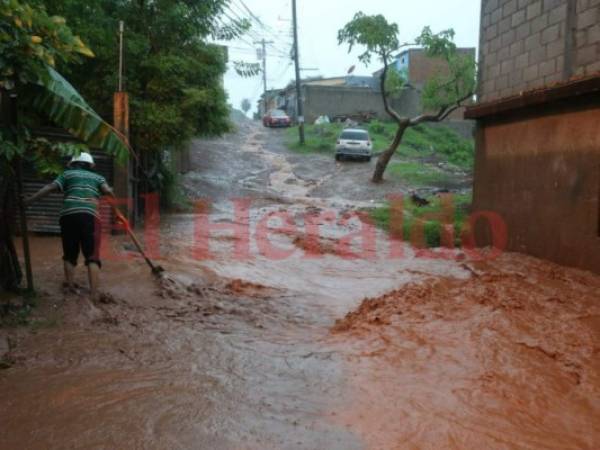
(417, 161)
(172, 73)
(442, 94)
(426, 219)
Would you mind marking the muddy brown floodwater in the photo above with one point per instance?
(318, 352)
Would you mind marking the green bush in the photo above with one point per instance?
(431, 228)
(376, 127)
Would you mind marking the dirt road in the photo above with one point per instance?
(269, 343)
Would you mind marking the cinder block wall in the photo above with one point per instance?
(422, 67)
(528, 44)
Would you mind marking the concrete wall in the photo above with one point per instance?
(539, 169)
(527, 44)
(333, 101)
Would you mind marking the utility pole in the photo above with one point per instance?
(124, 173)
(264, 64)
(299, 103)
(121, 30)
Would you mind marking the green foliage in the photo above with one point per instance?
(31, 43)
(442, 141)
(413, 218)
(172, 74)
(48, 156)
(31, 40)
(246, 105)
(8, 147)
(232, 30)
(319, 138)
(376, 127)
(61, 103)
(418, 174)
(395, 83)
(437, 45)
(418, 142)
(442, 93)
(373, 32)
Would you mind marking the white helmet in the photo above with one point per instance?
(83, 157)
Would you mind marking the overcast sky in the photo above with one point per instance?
(319, 22)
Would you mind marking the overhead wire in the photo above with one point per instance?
(238, 14)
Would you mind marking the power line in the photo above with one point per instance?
(254, 34)
(267, 28)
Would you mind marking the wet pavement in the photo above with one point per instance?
(264, 340)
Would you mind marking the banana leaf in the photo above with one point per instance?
(55, 98)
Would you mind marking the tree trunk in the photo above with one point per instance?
(385, 157)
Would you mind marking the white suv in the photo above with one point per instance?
(354, 143)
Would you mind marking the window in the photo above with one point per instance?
(355, 136)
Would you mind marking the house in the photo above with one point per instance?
(336, 96)
(538, 145)
(418, 67)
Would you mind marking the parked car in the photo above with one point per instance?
(354, 143)
(276, 118)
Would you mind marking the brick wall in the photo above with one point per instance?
(422, 67)
(587, 37)
(528, 44)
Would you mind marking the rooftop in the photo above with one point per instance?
(574, 87)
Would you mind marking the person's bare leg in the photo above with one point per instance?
(93, 276)
(69, 275)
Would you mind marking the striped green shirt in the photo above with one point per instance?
(81, 190)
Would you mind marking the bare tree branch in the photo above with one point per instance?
(444, 112)
(386, 102)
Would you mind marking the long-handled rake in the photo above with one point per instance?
(156, 270)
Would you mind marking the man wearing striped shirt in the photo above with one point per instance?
(80, 225)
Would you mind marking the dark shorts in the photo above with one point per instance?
(81, 232)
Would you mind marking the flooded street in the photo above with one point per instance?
(263, 339)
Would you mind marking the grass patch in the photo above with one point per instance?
(416, 218)
(318, 138)
(420, 141)
(418, 174)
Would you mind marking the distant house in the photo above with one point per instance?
(334, 96)
(418, 68)
(352, 94)
(538, 145)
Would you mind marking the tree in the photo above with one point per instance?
(31, 43)
(172, 73)
(246, 105)
(442, 94)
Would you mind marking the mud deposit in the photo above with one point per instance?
(508, 359)
(260, 353)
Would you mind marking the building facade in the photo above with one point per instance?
(538, 145)
(418, 67)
